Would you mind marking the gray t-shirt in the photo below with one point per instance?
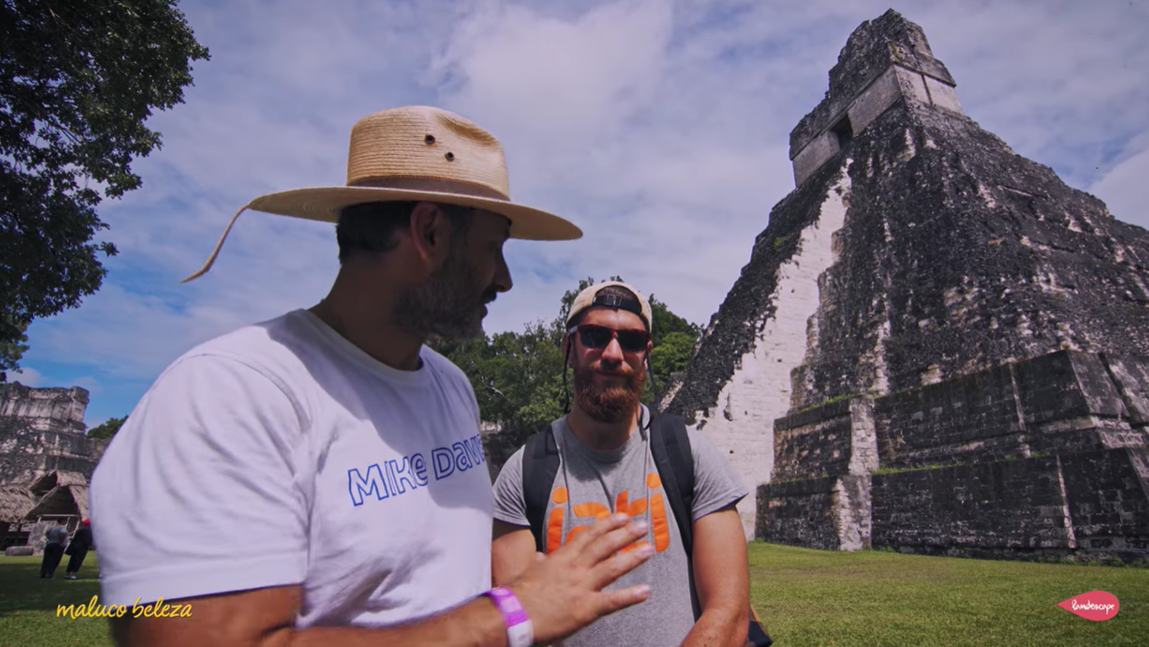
(592, 484)
(57, 535)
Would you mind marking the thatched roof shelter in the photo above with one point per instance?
(15, 503)
(65, 500)
(55, 479)
(57, 493)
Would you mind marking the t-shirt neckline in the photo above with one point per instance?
(355, 354)
(604, 456)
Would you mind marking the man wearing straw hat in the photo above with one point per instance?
(319, 477)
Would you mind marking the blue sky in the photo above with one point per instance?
(660, 127)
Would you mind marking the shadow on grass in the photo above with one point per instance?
(22, 589)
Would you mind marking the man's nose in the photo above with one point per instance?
(502, 281)
(613, 351)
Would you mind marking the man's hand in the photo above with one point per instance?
(563, 592)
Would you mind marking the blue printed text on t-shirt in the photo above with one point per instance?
(396, 477)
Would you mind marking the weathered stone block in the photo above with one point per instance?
(942, 95)
(50, 408)
(1065, 385)
(798, 513)
(814, 154)
(913, 85)
(1131, 375)
(884, 92)
(831, 513)
(814, 442)
(27, 452)
(1108, 498)
(864, 437)
(1000, 505)
(970, 415)
(853, 505)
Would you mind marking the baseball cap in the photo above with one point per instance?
(590, 298)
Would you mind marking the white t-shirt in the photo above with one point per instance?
(282, 454)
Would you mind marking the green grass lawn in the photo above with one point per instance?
(805, 597)
(28, 605)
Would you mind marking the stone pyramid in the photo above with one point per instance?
(937, 346)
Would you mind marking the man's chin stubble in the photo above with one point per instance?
(461, 330)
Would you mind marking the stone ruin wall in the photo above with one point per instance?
(48, 409)
(43, 430)
(1044, 457)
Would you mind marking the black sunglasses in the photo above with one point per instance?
(598, 337)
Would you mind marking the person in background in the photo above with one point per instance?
(78, 550)
(607, 455)
(54, 550)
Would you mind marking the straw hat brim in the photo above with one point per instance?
(325, 203)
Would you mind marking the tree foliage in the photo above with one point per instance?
(78, 79)
(107, 429)
(12, 348)
(518, 378)
(672, 355)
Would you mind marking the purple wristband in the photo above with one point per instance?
(520, 633)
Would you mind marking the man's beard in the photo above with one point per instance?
(613, 403)
(449, 304)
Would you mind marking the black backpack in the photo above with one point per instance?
(670, 447)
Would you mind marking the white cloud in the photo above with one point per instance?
(549, 83)
(648, 149)
(90, 383)
(660, 127)
(27, 377)
(1062, 82)
(1125, 191)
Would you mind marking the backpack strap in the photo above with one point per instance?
(670, 445)
(671, 448)
(540, 466)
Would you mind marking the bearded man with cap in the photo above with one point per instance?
(318, 478)
(607, 456)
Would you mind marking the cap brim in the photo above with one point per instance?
(325, 203)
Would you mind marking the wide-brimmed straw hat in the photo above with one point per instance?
(415, 153)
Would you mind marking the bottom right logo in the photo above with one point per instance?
(1097, 606)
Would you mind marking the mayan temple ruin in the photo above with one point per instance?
(937, 346)
(46, 461)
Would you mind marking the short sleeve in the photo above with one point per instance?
(510, 506)
(200, 492)
(716, 485)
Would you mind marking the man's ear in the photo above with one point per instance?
(568, 349)
(430, 234)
